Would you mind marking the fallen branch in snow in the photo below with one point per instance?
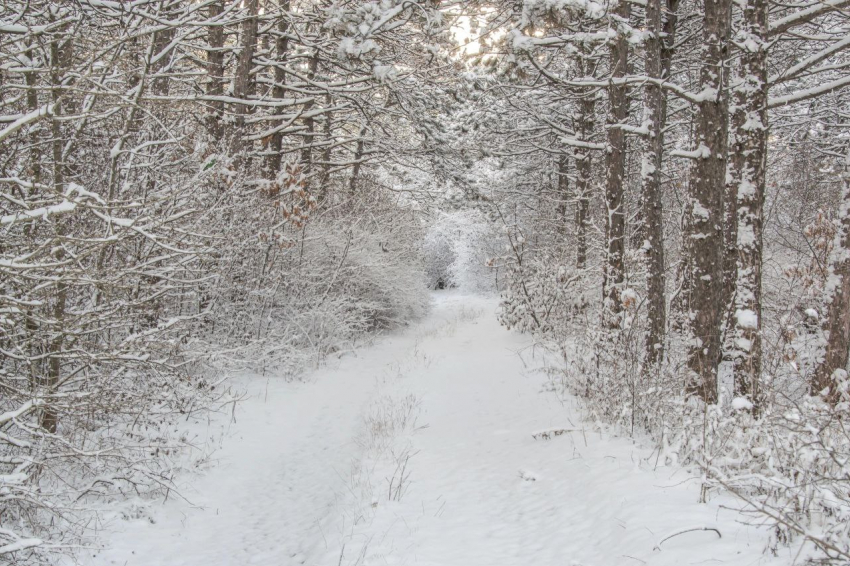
(683, 531)
(783, 518)
(551, 433)
(525, 475)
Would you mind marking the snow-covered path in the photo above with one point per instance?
(311, 472)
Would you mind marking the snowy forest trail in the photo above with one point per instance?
(419, 450)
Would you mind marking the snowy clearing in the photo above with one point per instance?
(442, 446)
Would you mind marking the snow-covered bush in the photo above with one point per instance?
(97, 293)
(290, 293)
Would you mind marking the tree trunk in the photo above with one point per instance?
(50, 417)
(584, 166)
(358, 157)
(708, 175)
(215, 70)
(658, 62)
(242, 80)
(31, 78)
(837, 324)
(273, 160)
(615, 161)
(161, 53)
(747, 175)
(309, 121)
(326, 154)
(563, 194)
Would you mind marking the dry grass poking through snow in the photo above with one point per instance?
(447, 328)
(386, 468)
(390, 417)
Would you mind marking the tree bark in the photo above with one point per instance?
(326, 154)
(242, 80)
(584, 169)
(31, 79)
(658, 61)
(309, 121)
(273, 160)
(615, 161)
(161, 53)
(748, 157)
(708, 175)
(837, 324)
(49, 420)
(563, 194)
(358, 157)
(215, 70)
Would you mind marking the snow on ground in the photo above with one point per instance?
(439, 446)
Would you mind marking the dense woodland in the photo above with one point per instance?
(659, 189)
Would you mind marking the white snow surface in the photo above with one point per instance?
(747, 318)
(739, 403)
(304, 474)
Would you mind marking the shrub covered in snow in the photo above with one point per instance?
(290, 294)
